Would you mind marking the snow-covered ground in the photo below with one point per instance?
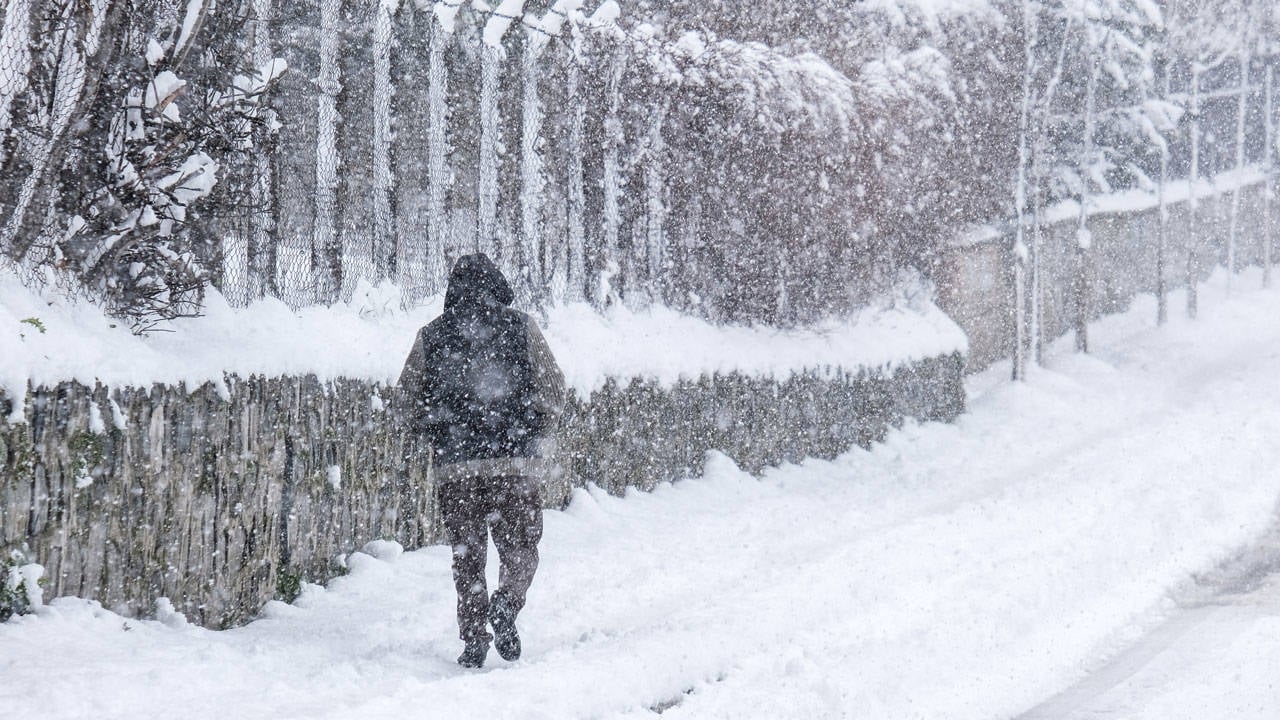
(971, 570)
(1216, 657)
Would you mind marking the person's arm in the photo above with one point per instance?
(413, 387)
(548, 397)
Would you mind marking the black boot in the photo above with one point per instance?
(503, 619)
(473, 655)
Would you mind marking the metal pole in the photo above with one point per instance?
(1193, 238)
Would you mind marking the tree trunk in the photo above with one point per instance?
(78, 34)
(1193, 244)
(261, 260)
(410, 150)
(576, 260)
(437, 159)
(606, 265)
(1242, 109)
(15, 64)
(1020, 251)
(487, 190)
(1084, 240)
(531, 170)
(1268, 186)
(384, 248)
(328, 154)
(1162, 232)
(655, 207)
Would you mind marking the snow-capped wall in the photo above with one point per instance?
(1125, 258)
(226, 495)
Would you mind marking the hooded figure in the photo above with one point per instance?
(483, 391)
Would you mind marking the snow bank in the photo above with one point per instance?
(25, 579)
(48, 339)
(664, 344)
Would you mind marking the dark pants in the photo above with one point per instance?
(512, 507)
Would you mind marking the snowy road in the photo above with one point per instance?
(1217, 657)
(955, 571)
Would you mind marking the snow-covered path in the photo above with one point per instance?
(1217, 657)
(955, 571)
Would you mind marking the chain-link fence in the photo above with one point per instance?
(539, 149)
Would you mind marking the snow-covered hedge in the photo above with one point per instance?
(21, 585)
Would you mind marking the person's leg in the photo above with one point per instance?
(517, 528)
(463, 509)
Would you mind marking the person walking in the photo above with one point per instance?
(484, 392)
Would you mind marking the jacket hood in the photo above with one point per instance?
(476, 281)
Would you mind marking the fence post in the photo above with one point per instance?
(1192, 274)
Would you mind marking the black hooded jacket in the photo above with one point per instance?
(480, 382)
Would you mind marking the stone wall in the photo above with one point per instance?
(226, 495)
(975, 280)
